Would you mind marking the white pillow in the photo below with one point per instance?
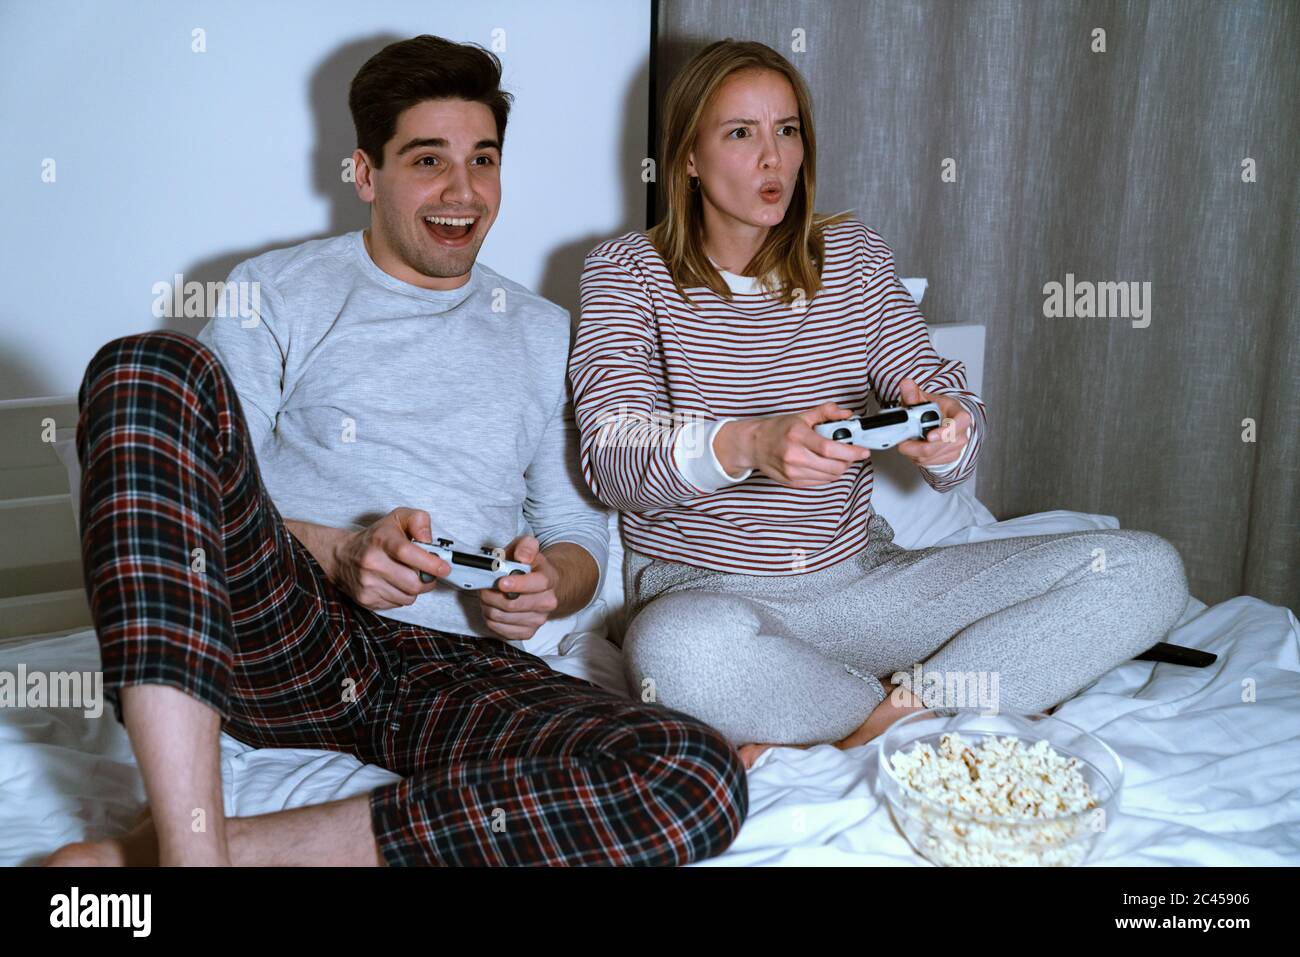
(556, 636)
(920, 515)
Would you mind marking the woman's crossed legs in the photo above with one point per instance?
(1014, 624)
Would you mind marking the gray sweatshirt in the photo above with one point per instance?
(363, 393)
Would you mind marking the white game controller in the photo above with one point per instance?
(885, 429)
(472, 570)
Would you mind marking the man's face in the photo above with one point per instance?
(443, 162)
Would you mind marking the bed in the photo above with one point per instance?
(1211, 755)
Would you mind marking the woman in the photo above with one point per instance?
(765, 596)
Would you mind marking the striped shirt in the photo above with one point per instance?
(654, 377)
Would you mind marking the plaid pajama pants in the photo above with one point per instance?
(195, 582)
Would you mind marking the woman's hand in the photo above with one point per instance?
(944, 444)
(786, 449)
(379, 567)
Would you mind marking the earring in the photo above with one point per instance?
(693, 183)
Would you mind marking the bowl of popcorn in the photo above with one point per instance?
(1004, 790)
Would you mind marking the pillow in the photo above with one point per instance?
(916, 288)
(921, 517)
(558, 635)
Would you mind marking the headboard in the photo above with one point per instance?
(41, 587)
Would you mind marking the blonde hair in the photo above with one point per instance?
(790, 259)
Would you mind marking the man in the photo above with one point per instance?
(391, 388)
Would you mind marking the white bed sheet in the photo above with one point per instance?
(1209, 778)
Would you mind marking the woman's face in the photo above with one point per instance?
(748, 149)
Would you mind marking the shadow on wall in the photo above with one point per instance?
(336, 139)
(564, 265)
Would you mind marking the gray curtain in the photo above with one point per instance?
(1116, 166)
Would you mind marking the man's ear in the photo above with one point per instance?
(362, 171)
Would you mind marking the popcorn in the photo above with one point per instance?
(1029, 799)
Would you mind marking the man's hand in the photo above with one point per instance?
(517, 619)
(944, 444)
(379, 567)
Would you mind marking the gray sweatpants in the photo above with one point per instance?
(1013, 624)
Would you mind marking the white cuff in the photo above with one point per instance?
(697, 462)
(945, 469)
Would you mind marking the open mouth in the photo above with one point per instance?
(451, 230)
(770, 193)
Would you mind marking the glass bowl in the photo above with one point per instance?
(948, 836)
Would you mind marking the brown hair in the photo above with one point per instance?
(408, 72)
(790, 258)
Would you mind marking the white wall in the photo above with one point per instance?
(174, 161)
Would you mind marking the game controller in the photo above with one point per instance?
(885, 429)
(472, 570)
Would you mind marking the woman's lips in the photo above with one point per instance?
(771, 194)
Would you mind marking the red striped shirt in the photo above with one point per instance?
(645, 362)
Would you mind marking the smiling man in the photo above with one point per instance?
(248, 506)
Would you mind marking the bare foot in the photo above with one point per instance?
(884, 714)
(897, 703)
(749, 752)
(137, 848)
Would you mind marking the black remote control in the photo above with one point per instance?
(1177, 655)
